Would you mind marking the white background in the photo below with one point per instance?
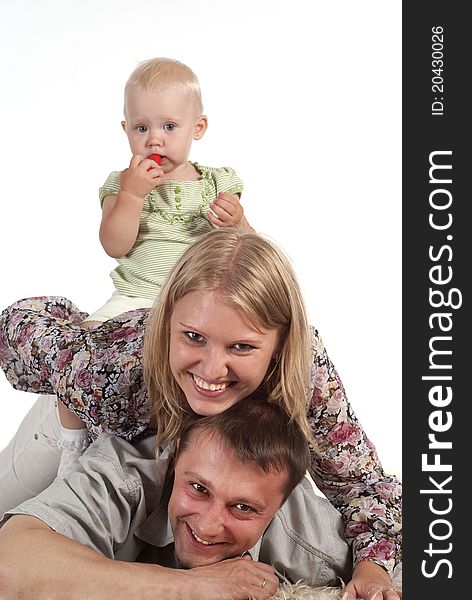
(303, 99)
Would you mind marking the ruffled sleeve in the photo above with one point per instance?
(111, 187)
(227, 180)
(97, 373)
(346, 468)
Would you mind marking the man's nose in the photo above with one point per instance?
(211, 523)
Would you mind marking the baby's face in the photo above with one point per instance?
(163, 122)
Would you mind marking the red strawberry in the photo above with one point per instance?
(156, 158)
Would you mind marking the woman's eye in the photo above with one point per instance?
(243, 347)
(194, 337)
(199, 488)
(141, 129)
(169, 127)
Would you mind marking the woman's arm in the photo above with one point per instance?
(346, 468)
(97, 373)
(29, 329)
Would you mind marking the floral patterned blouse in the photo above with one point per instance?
(97, 373)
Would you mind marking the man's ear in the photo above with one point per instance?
(200, 127)
(123, 125)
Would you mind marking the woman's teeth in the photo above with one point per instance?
(212, 387)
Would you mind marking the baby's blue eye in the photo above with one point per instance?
(169, 127)
(141, 128)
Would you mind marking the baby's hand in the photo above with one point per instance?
(226, 211)
(141, 177)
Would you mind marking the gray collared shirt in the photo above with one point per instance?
(113, 504)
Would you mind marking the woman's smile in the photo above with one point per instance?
(217, 355)
(205, 386)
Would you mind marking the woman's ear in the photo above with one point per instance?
(200, 127)
(277, 353)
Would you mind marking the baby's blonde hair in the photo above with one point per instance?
(251, 273)
(159, 73)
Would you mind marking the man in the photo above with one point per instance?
(207, 534)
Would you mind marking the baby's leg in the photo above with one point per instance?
(29, 463)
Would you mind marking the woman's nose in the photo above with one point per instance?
(214, 365)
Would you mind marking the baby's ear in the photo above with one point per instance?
(123, 125)
(200, 127)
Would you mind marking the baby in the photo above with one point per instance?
(156, 207)
(151, 211)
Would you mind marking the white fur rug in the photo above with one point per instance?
(301, 591)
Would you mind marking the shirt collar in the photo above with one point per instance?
(156, 529)
(255, 550)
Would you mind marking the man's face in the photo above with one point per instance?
(219, 505)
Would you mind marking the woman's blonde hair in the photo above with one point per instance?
(159, 73)
(254, 275)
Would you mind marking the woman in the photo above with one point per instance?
(230, 319)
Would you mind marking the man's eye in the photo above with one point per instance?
(199, 488)
(169, 127)
(244, 508)
(141, 129)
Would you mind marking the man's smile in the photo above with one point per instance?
(199, 539)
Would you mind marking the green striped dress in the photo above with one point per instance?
(174, 214)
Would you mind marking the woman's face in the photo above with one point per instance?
(216, 355)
